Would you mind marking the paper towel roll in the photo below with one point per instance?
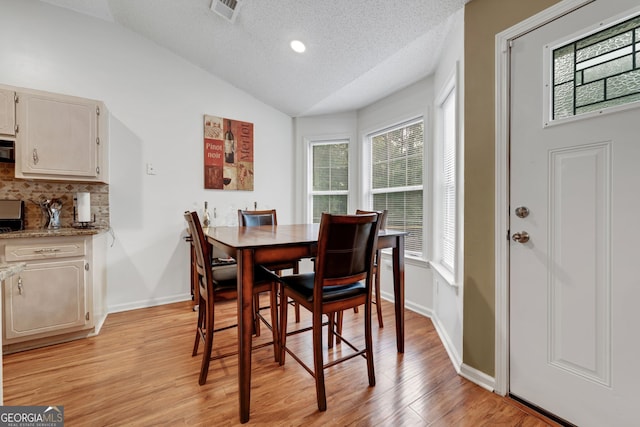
(83, 205)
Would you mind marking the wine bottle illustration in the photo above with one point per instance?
(229, 145)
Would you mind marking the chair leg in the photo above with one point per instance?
(273, 301)
(283, 326)
(318, 362)
(208, 345)
(339, 320)
(378, 305)
(256, 319)
(296, 307)
(296, 270)
(201, 312)
(369, 343)
(331, 329)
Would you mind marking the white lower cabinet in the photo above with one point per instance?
(52, 299)
(45, 298)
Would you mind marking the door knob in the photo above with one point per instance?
(522, 212)
(522, 237)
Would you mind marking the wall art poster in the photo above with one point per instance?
(228, 154)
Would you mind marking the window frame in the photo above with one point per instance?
(310, 192)
(449, 273)
(367, 176)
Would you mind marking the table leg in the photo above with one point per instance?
(245, 329)
(398, 290)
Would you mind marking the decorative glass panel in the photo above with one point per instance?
(563, 64)
(563, 100)
(598, 71)
(610, 68)
(590, 94)
(603, 47)
(624, 84)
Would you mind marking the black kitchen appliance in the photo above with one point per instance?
(7, 151)
(11, 215)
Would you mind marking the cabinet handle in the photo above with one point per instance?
(46, 250)
(35, 156)
(20, 285)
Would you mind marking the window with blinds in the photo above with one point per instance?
(330, 178)
(397, 160)
(447, 217)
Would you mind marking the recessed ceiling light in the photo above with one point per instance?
(298, 46)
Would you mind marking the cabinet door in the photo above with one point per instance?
(44, 298)
(57, 136)
(7, 112)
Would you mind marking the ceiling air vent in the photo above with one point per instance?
(228, 9)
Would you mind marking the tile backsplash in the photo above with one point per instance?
(30, 191)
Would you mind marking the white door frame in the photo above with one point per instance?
(502, 179)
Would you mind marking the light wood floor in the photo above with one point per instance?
(139, 372)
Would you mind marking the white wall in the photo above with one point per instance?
(157, 102)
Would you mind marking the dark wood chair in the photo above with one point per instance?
(342, 280)
(215, 284)
(248, 218)
(382, 219)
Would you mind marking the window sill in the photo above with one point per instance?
(408, 259)
(444, 273)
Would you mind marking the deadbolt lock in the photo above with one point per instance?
(522, 212)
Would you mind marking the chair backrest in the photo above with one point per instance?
(253, 218)
(346, 245)
(382, 216)
(203, 256)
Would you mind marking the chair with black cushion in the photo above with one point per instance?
(217, 284)
(248, 218)
(382, 219)
(342, 280)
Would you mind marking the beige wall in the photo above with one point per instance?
(483, 20)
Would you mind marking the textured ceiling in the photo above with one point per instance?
(358, 51)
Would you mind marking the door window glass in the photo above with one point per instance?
(598, 71)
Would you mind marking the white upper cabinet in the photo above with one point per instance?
(7, 113)
(61, 138)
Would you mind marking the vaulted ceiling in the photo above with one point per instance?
(358, 51)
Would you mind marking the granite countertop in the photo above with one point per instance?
(59, 232)
(8, 270)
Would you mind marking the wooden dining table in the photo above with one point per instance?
(270, 244)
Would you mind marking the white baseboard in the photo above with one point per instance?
(148, 303)
(409, 305)
(478, 377)
(454, 356)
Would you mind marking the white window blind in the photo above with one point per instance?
(330, 178)
(448, 183)
(397, 157)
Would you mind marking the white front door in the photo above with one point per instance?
(575, 284)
